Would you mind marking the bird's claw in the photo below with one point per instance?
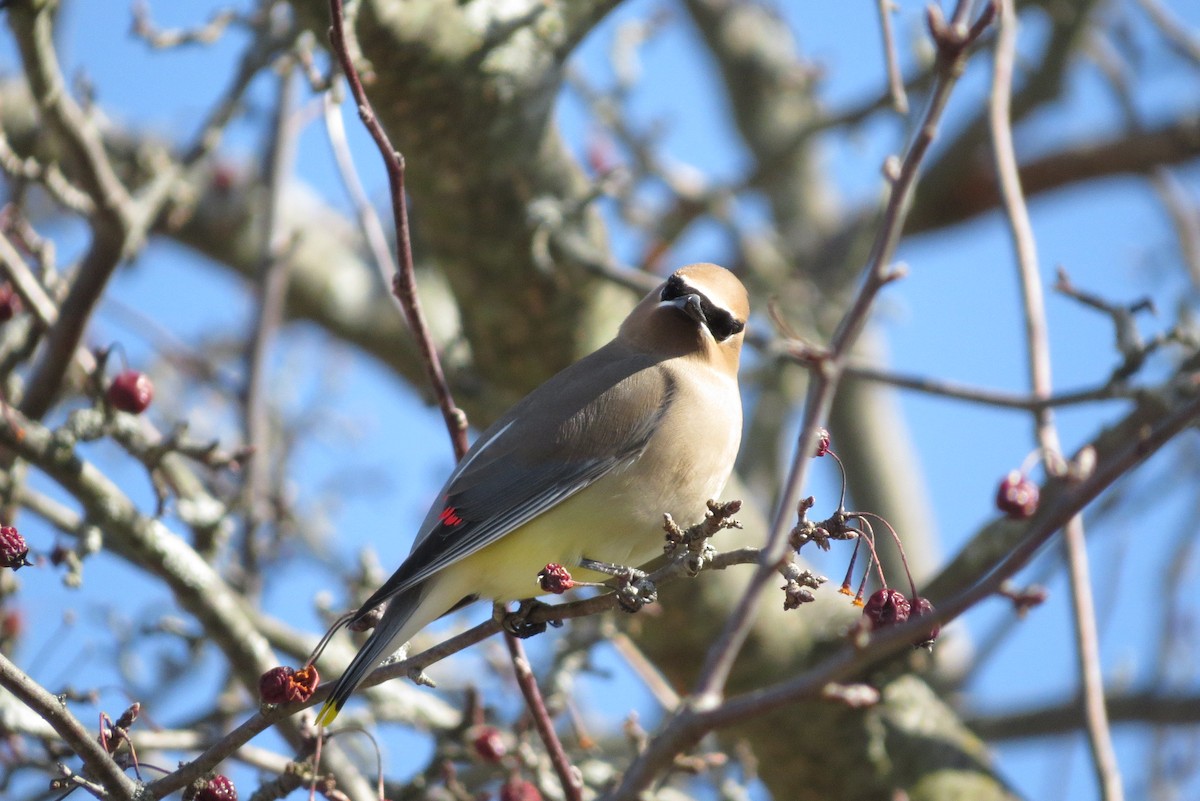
(636, 592)
(518, 623)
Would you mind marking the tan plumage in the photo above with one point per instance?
(583, 467)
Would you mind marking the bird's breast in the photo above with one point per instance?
(619, 518)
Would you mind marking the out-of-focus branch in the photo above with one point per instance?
(895, 80)
(1184, 41)
(1182, 208)
(975, 189)
(802, 354)
(368, 218)
(1104, 758)
(1044, 82)
(33, 27)
(1147, 707)
(272, 295)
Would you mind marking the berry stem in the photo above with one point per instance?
(328, 635)
(912, 585)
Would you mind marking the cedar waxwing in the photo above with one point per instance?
(583, 468)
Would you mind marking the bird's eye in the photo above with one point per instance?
(721, 323)
(675, 288)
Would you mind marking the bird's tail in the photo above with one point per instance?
(399, 623)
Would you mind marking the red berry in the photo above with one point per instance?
(10, 302)
(281, 685)
(131, 391)
(920, 607)
(601, 155)
(886, 607)
(555, 578)
(215, 788)
(14, 552)
(1017, 496)
(272, 685)
(224, 177)
(12, 625)
(517, 789)
(489, 744)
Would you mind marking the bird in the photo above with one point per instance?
(582, 469)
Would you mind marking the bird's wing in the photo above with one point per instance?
(551, 445)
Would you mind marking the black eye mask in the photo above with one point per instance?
(720, 322)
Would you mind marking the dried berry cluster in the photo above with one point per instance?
(14, 552)
(555, 578)
(886, 606)
(283, 685)
(889, 607)
(215, 787)
(1017, 497)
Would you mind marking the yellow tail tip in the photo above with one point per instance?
(327, 714)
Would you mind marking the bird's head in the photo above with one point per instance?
(700, 310)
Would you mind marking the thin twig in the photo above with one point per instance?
(169, 38)
(965, 392)
(260, 52)
(1184, 214)
(1088, 651)
(33, 294)
(48, 175)
(568, 775)
(646, 670)
(1184, 41)
(113, 220)
(404, 282)
(272, 296)
(368, 219)
(895, 77)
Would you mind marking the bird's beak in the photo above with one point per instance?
(690, 305)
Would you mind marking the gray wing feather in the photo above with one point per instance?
(528, 463)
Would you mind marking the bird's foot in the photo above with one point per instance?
(634, 588)
(518, 623)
